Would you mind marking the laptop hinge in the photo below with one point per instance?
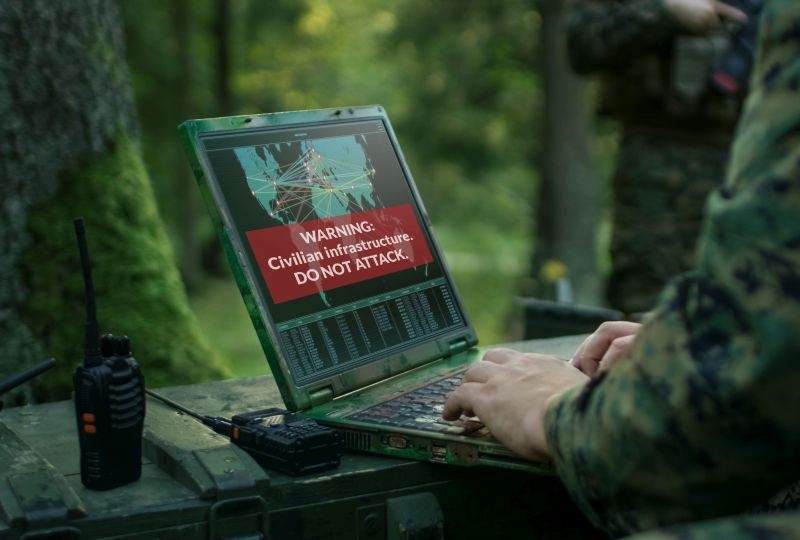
(321, 395)
(457, 346)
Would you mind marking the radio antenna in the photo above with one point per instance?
(15, 380)
(92, 352)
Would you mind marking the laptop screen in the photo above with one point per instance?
(340, 253)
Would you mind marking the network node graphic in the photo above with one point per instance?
(313, 179)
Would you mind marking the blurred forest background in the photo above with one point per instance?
(462, 81)
(496, 129)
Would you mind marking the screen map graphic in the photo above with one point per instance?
(310, 179)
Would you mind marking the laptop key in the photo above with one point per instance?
(421, 408)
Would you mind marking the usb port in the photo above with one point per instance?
(439, 453)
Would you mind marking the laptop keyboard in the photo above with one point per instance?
(421, 408)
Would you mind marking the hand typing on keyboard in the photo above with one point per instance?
(422, 408)
(510, 392)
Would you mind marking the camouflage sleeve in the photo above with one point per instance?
(607, 34)
(781, 526)
(700, 417)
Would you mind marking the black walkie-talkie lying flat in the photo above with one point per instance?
(109, 399)
(276, 439)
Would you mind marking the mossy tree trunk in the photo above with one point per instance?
(68, 147)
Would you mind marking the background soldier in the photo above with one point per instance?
(666, 78)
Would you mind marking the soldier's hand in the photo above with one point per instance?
(510, 392)
(605, 346)
(702, 16)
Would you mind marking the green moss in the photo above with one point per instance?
(60, 103)
(139, 291)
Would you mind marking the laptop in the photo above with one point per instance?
(336, 261)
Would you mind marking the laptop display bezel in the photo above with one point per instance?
(304, 396)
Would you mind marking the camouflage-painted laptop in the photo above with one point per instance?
(333, 253)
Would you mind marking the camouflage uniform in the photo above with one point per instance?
(700, 418)
(675, 133)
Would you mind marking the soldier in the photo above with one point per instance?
(666, 82)
(697, 418)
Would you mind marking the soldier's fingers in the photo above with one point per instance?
(596, 344)
(591, 352)
(617, 348)
(583, 362)
(727, 11)
(480, 371)
(586, 365)
(461, 401)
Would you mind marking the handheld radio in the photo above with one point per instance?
(109, 398)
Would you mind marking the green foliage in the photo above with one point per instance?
(138, 287)
(459, 79)
(232, 331)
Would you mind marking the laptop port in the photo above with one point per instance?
(439, 453)
(396, 441)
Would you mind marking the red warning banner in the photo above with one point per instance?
(312, 256)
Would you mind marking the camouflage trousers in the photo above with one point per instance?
(658, 191)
